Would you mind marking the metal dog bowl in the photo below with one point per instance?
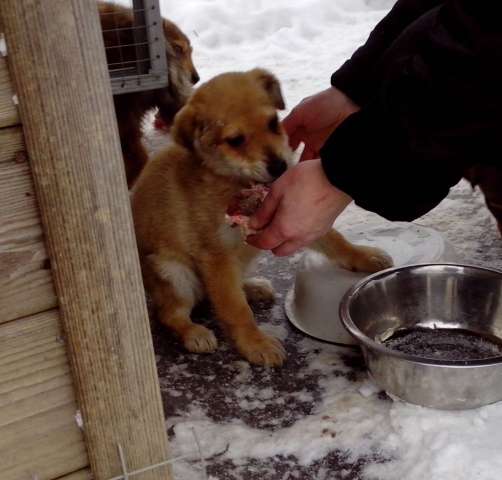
(431, 334)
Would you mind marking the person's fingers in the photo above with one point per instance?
(268, 239)
(265, 213)
(288, 248)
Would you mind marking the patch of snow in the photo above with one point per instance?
(278, 331)
(301, 41)
(79, 420)
(422, 443)
(368, 388)
(244, 369)
(3, 46)
(442, 445)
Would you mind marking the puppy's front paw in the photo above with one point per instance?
(368, 259)
(259, 290)
(261, 349)
(199, 339)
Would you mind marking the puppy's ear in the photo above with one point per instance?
(271, 86)
(169, 30)
(184, 127)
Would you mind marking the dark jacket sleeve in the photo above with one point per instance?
(435, 112)
(355, 76)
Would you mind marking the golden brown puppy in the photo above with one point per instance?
(130, 108)
(226, 138)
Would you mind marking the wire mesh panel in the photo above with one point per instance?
(134, 44)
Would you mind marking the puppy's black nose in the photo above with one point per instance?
(195, 78)
(276, 166)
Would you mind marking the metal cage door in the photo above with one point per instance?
(135, 48)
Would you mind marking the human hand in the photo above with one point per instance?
(300, 207)
(315, 118)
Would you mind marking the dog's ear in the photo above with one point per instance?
(184, 127)
(271, 86)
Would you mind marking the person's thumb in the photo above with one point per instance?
(262, 217)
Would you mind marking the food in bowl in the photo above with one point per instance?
(452, 344)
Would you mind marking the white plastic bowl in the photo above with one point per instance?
(312, 304)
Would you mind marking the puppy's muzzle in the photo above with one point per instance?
(276, 166)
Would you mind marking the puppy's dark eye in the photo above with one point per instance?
(273, 124)
(178, 49)
(236, 141)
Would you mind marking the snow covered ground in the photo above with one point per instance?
(302, 42)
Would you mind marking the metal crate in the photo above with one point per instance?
(135, 52)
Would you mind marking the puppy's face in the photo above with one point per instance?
(231, 123)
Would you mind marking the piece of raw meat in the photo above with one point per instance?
(245, 204)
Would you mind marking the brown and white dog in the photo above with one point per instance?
(225, 139)
(130, 108)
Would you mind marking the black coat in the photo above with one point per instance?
(429, 83)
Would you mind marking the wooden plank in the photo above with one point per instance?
(26, 285)
(38, 431)
(20, 224)
(30, 292)
(72, 141)
(8, 111)
(25, 280)
(46, 455)
(12, 146)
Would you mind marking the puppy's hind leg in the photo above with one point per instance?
(259, 290)
(357, 258)
(175, 289)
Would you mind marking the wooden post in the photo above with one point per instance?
(57, 60)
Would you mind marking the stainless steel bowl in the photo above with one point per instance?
(430, 296)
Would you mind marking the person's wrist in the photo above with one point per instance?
(342, 200)
(343, 104)
(337, 197)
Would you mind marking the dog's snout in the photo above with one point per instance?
(195, 78)
(276, 166)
